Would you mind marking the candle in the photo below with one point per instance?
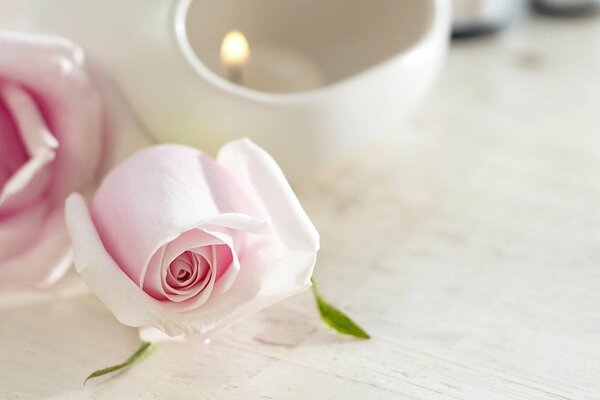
(234, 55)
(269, 68)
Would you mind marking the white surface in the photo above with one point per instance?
(468, 246)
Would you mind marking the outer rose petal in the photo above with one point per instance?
(260, 174)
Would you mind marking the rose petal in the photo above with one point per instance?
(12, 152)
(256, 170)
(31, 179)
(46, 258)
(52, 69)
(102, 275)
(30, 123)
(16, 234)
(155, 196)
(226, 276)
(260, 174)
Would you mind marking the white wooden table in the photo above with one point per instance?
(468, 246)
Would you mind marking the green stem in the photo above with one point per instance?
(137, 356)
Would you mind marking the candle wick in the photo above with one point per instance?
(235, 75)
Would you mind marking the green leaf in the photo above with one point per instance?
(337, 319)
(137, 356)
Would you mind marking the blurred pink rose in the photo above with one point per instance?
(51, 143)
(178, 241)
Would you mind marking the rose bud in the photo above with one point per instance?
(180, 242)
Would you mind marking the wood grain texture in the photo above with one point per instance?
(468, 246)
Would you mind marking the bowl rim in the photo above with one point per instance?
(438, 24)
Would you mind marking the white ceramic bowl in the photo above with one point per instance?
(378, 59)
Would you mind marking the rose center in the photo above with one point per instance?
(182, 275)
(187, 269)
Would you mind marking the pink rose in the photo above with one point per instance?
(178, 241)
(51, 143)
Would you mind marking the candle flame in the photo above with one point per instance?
(234, 49)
